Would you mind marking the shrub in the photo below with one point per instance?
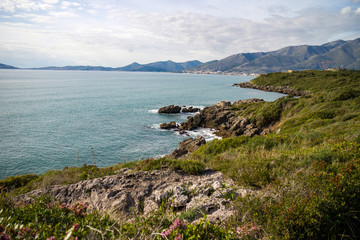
(190, 166)
(11, 183)
(347, 94)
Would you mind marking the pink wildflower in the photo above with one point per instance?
(76, 226)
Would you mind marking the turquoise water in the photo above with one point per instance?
(53, 119)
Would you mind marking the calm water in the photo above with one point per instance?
(53, 119)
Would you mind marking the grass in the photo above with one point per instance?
(305, 173)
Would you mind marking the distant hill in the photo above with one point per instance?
(82, 68)
(166, 66)
(4, 66)
(337, 54)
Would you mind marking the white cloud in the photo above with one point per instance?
(36, 18)
(119, 35)
(357, 11)
(24, 5)
(67, 5)
(7, 5)
(63, 14)
(346, 10)
(50, 1)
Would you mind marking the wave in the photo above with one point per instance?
(153, 110)
(207, 133)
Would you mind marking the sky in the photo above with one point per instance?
(115, 33)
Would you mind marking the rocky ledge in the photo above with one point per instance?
(279, 89)
(221, 118)
(177, 109)
(142, 192)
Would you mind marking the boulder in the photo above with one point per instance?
(209, 117)
(224, 104)
(168, 125)
(170, 109)
(190, 110)
(193, 122)
(191, 144)
(187, 146)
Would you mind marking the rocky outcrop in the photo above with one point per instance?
(170, 109)
(168, 125)
(143, 192)
(251, 100)
(221, 118)
(187, 146)
(279, 89)
(190, 110)
(178, 109)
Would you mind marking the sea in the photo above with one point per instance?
(53, 119)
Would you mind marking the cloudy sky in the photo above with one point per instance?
(115, 33)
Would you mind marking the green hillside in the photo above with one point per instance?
(304, 175)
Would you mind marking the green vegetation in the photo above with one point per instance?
(45, 219)
(305, 174)
(68, 175)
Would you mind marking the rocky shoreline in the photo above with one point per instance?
(220, 118)
(279, 89)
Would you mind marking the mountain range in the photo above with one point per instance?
(162, 66)
(336, 54)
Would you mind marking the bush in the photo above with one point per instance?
(189, 166)
(216, 146)
(347, 94)
(11, 183)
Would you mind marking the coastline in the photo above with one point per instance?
(280, 89)
(302, 171)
